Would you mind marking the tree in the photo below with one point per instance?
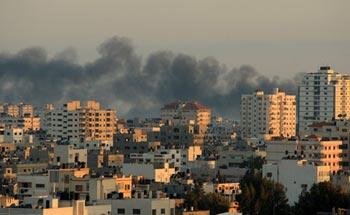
(197, 199)
(322, 197)
(253, 162)
(262, 196)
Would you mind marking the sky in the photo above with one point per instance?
(276, 37)
(138, 55)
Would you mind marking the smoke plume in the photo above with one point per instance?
(118, 78)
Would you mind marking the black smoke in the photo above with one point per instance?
(118, 78)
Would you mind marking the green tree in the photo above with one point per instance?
(197, 199)
(262, 196)
(253, 162)
(322, 197)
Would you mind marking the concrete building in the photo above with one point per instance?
(14, 135)
(67, 156)
(143, 206)
(17, 110)
(50, 206)
(32, 185)
(334, 130)
(101, 188)
(177, 158)
(296, 176)
(81, 123)
(152, 172)
(323, 95)
(273, 114)
(278, 149)
(323, 152)
(184, 112)
(221, 131)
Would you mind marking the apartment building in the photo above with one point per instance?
(323, 152)
(334, 130)
(323, 95)
(184, 112)
(19, 115)
(17, 110)
(273, 114)
(177, 158)
(81, 123)
(320, 151)
(143, 206)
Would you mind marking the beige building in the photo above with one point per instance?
(273, 114)
(323, 152)
(323, 96)
(19, 115)
(81, 123)
(17, 110)
(320, 151)
(334, 130)
(184, 112)
(31, 123)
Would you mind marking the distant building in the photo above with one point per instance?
(323, 95)
(273, 114)
(81, 123)
(183, 112)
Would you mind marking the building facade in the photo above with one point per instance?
(273, 114)
(323, 96)
(81, 123)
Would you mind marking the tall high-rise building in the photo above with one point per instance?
(323, 96)
(83, 123)
(273, 114)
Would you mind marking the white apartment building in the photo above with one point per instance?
(273, 114)
(323, 95)
(296, 176)
(81, 123)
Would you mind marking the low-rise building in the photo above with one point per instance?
(296, 176)
(143, 206)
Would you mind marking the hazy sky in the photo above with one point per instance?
(276, 37)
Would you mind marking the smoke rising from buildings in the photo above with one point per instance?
(119, 78)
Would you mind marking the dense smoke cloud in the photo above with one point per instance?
(119, 79)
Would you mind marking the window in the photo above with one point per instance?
(120, 211)
(78, 187)
(154, 212)
(162, 211)
(40, 185)
(136, 211)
